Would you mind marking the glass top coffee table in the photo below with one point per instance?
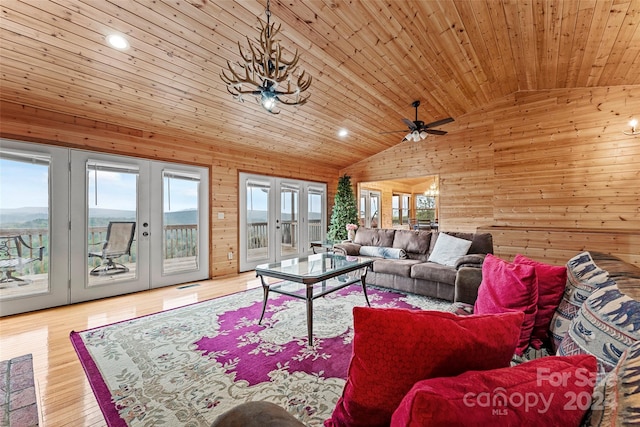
(313, 277)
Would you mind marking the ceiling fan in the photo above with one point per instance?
(418, 130)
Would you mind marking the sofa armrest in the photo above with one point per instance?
(470, 260)
(345, 248)
(468, 281)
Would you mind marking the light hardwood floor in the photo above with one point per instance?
(64, 395)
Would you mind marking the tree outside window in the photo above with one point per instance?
(425, 208)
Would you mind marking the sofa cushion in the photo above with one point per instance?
(398, 267)
(607, 324)
(481, 243)
(448, 249)
(383, 252)
(394, 348)
(615, 400)
(416, 242)
(434, 272)
(544, 392)
(509, 287)
(583, 277)
(374, 237)
(551, 283)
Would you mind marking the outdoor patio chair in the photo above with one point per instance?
(118, 243)
(15, 254)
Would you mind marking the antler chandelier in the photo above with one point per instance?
(265, 73)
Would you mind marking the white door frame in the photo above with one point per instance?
(160, 278)
(274, 228)
(58, 250)
(68, 267)
(80, 290)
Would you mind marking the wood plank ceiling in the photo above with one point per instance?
(369, 60)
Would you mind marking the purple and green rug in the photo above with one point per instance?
(188, 365)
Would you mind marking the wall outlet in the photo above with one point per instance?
(220, 215)
(230, 255)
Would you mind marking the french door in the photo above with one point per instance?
(108, 225)
(279, 218)
(369, 208)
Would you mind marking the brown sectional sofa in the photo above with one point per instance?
(414, 273)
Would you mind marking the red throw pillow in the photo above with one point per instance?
(509, 287)
(393, 348)
(551, 391)
(552, 280)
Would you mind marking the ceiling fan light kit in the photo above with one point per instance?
(265, 73)
(418, 130)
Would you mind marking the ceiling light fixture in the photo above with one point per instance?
(415, 136)
(265, 73)
(117, 41)
(433, 190)
(633, 123)
(342, 133)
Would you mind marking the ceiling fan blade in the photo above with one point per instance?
(410, 124)
(439, 122)
(436, 131)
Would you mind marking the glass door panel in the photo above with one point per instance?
(315, 216)
(258, 217)
(180, 221)
(33, 243)
(24, 224)
(289, 218)
(112, 212)
(180, 226)
(374, 208)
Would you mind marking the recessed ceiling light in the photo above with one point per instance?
(117, 41)
(343, 132)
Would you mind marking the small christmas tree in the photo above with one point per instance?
(345, 210)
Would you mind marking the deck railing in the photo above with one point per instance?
(258, 233)
(179, 240)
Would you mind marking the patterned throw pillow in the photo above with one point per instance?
(607, 324)
(394, 348)
(583, 277)
(616, 400)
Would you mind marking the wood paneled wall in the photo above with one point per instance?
(35, 125)
(553, 161)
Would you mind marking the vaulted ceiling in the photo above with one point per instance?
(369, 60)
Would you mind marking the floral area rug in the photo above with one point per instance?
(188, 365)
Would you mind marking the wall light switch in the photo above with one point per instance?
(230, 255)
(220, 215)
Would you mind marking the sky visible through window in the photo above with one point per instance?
(25, 185)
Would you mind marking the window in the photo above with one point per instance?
(425, 208)
(400, 209)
